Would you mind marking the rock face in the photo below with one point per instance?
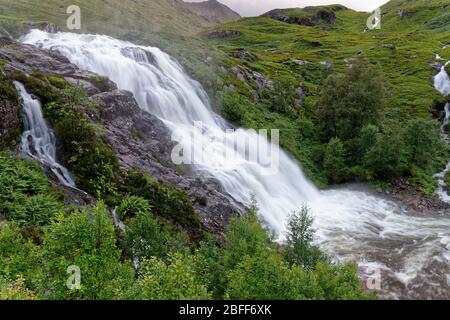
(253, 80)
(140, 139)
(308, 16)
(213, 11)
(220, 34)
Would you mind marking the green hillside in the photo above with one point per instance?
(412, 33)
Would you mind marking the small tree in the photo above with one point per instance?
(352, 100)
(299, 249)
(334, 160)
(422, 138)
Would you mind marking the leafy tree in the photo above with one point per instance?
(300, 235)
(423, 140)
(351, 101)
(340, 282)
(176, 281)
(87, 240)
(334, 160)
(264, 277)
(388, 157)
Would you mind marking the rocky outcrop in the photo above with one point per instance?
(140, 140)
(253, 80)
(308, 16)
(220, 34)
(213, 11)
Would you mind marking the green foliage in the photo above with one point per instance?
(176, 281)
(388, 157)
(234, 106)
(300, 235)
(166, 201)
(25, 194)
(87, 240)
(132, 206)
(284, 97)
(334, 160)
(351, 101)
(15, 290)
(147, 237)
(244, 237)
(423, 140)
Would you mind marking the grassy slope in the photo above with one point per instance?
(407, 68)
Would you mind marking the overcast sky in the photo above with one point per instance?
(257, 7)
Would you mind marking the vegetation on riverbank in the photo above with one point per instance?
(38, 247)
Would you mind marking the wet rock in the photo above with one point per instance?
(436, 66)
(220, 34)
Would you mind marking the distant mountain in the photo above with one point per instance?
(213, 11)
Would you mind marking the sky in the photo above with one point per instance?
(248, 8)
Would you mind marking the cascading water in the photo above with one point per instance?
(411, 252)
(38, 140)
(442, 84)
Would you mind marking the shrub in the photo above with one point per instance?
(25, 194)
(176, 281)
(86, 240)
(166, 201)
(234, 106)
(132, 206)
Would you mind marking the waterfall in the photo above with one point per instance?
(442, 84)
(352, 224)
(38, 140)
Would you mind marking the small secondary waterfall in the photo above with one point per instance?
(38, 140)
(442, 84)
(411, 252)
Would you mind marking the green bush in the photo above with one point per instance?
(166, 201)
(132, 206)
(25, 194)
(86, 240)
(234, 106)
(147, 237)
(176, 281)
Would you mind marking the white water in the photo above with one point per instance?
(442, 84)
(352, 225)
(38, 140)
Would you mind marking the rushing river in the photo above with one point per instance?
(410, 252)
